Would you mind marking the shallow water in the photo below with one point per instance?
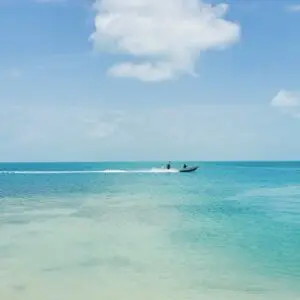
(228, 231)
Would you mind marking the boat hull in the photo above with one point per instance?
(188, 169)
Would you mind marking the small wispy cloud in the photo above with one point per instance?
(168, 35)
(10, 73)
(293, 8)
(70, 132)
(287, 102)
(32, 126)
(103, 125)
(14, 73)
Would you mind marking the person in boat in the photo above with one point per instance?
(184, 166)
(169, 165)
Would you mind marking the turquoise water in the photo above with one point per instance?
(73, 231)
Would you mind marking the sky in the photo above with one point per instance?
(84, 80)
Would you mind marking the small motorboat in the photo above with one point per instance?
(188, 169)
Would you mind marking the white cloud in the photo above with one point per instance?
(168, 35)
(288, 102)
(144, 72)
(293, 8)
(286, 99)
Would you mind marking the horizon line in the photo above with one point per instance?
(147, 161)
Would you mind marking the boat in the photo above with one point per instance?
(188, 169)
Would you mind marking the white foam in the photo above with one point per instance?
(49, 172)
(153, 170)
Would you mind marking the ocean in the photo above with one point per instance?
(128, 231)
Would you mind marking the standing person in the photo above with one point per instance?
(169, 165)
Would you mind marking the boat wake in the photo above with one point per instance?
(153, 170)
(107, 171)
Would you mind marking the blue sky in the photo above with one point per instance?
(126, 80)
